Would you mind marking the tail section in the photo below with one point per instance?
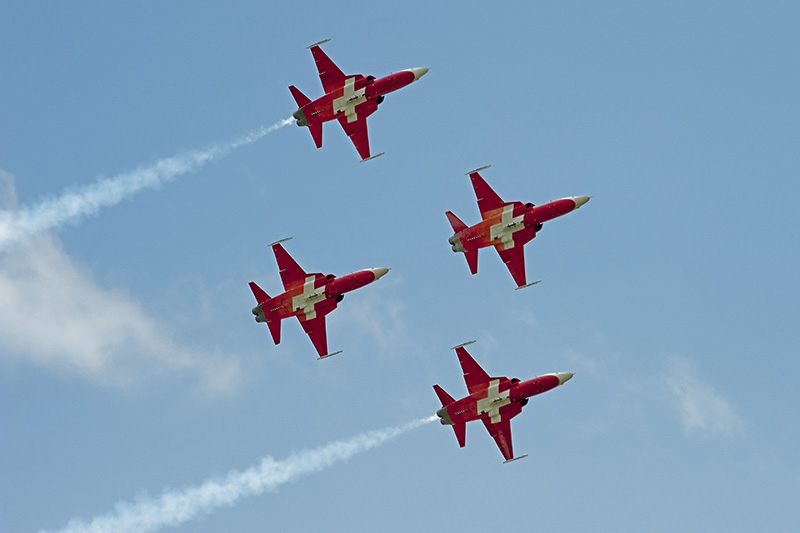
(460, 428)
(302, 100)
(472, 260)
(274, 325)
(455, 222)
(275, 330)
(458, 245)
(316, 133)
(445, 398)
(259, 293)
(299, 97)
(461, 433)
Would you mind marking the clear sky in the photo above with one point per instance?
(130, 364)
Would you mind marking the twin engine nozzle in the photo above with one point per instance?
(455, 240)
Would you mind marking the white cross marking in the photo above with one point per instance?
(507, 226)
(308, 298)
(349, 100)
(494, 401)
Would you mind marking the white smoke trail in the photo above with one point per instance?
(74, 205)
(176, 507)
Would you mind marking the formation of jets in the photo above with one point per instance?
(507, 226)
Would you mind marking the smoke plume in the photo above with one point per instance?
(176, 507)
(18, 226)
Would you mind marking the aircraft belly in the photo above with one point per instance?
(491, 404)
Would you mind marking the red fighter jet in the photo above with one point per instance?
(350, 99)
(506, 225)
(494, 401)
(309, 297)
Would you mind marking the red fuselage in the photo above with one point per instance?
(317, 293)
(501, 392)
(510, 219)
(358, 92)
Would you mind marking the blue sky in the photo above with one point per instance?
(130, 364)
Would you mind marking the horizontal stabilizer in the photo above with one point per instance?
(275, 330)
(516, 458)
(472, 260)
(461, 433)
(445, 398)
(455, 222)
(330, 354)
(299, 97)
(316, 133)
(259, 293)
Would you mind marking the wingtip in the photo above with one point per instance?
(528, 285)
(478, 170)
(309, 47)
(371, 157)
(462, 345)
(280, 241)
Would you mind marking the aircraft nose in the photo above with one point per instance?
(580, 200)
(563, 377)
(418, 72)
(379, 272)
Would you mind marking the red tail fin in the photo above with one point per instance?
(455, 222)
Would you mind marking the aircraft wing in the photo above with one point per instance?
(329, 74)
(314, 325)
(488, 200)
(355, 126)
(501, 431)
(475, 377)
(291, 273)
(514, 258)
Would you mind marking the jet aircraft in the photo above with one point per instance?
(506, 225)
(309, 297)
(350, 99)
(494, 401)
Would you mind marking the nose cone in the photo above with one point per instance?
(563, 377)
(580, 200)
(418, 72)
(379, 272)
